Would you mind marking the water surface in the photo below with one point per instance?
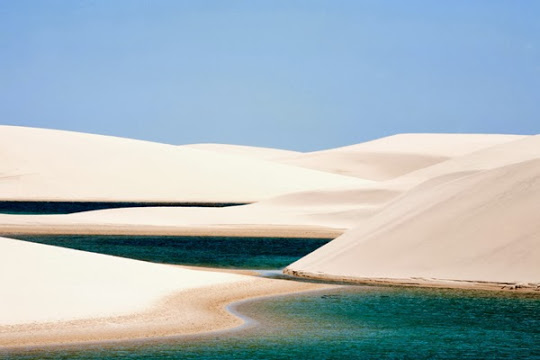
(69, 207)
(355, 322)
(212, 251)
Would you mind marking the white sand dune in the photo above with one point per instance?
(325, 213)
(257, 152)
(39, 164)
(40, 283)
(435, 208)
(393, 156)
(484, 226)
(507, 153)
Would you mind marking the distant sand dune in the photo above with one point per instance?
(39, 164)
(393, 156)
(256, 152)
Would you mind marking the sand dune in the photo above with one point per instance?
(39, 164)
(393, 156)
(51, 295)
(41, 283)
(511, 152)
(461, 208)
(322, 213)
(482, 227)
(243, 150)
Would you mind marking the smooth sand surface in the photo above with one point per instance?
(393, 156)
(51, 295)
(40, 164)
(42, 283)
(322, 213)
(480, 227)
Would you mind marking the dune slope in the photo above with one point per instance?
(396, 155)
(39, 164)
(484, 226)
(41, 283)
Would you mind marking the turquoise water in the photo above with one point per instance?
(354, 323)
(226, 252)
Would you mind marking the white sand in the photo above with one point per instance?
(40, 164)
(40, 283)
(466, 226)
(323, 213)
(393, 156)
(463, 208)
(52, 296)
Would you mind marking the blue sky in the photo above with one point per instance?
(302, 75)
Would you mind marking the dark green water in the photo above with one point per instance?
(227, 252)
(354, 323)
(69, 207)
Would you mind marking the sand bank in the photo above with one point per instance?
(187, 312)
(52, 295)
(51, 228)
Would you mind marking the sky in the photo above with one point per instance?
(299, 75)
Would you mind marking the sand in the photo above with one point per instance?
(41, 164)
(52, 295)
(393, 156)
(465, 226)
(447, 210)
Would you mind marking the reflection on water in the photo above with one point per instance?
(355, 322)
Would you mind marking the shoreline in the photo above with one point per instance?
(517, 288)
(285, 231)
(191, 312)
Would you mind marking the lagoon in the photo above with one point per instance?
(353, 322)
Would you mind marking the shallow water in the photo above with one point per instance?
(354, 322)
(226, 252)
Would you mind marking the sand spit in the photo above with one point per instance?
(40, 164)
(320, 214)
(51, 295)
